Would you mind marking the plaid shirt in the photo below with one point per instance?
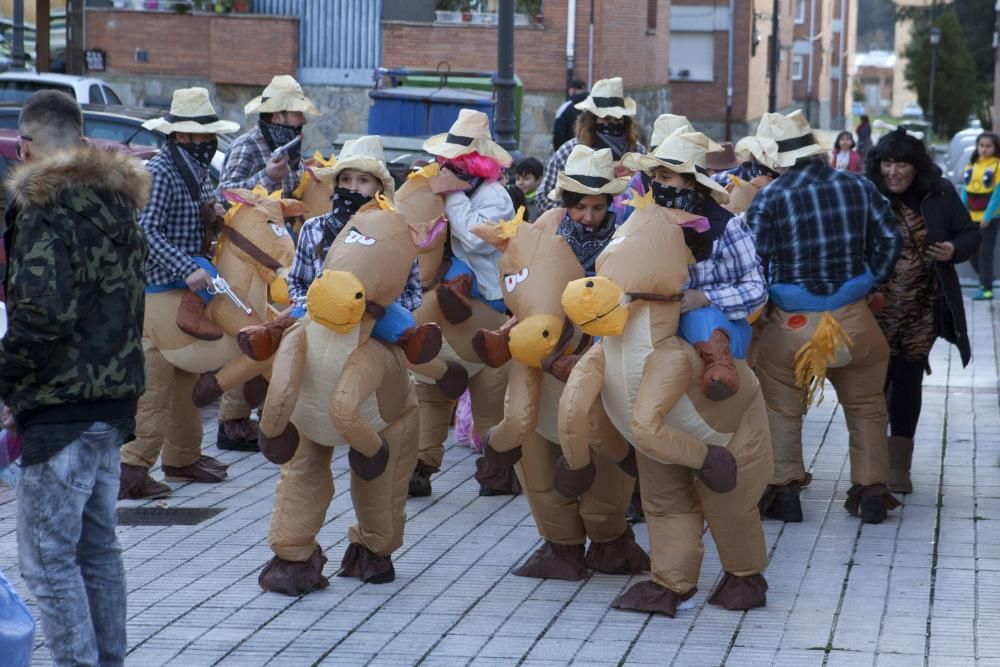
(557, 163)
(732, 277)
(818, 227)
(308, 263)
(245, 166)
(171, 220)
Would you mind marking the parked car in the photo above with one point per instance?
(122, 125)
(913, 110)
(8, 154)
(19, 86)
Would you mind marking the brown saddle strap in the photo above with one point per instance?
(439, 275)
(374, 309)
(650, 296)
(248, 246)
(564, 340)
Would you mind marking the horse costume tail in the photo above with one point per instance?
(817, 355)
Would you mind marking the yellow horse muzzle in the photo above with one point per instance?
(535, 338)
(336, 299)
(597, 305)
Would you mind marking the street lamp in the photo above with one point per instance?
(935, 40)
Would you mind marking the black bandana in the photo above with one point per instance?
(669, 196)
(346, 203)
(277, 135)
(755, 169)
(202, 152)
(587, 242)
(474, 181)
(613, 140)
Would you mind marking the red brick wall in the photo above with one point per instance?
(240, 49)
(621, 45)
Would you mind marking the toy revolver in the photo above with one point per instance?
(220, 286)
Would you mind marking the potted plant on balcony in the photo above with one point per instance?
(450, 11)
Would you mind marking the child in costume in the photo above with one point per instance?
(726, 283)
(982, 197)
(528, 176)
(358, 176)
(471, 164)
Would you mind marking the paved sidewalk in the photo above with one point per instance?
(922, 588)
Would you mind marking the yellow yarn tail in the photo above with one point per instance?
(813, 358)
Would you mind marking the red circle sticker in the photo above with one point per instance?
(797, 321)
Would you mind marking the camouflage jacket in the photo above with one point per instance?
(74, 285)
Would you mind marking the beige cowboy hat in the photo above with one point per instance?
(683, 153)
(283, 94)
(588, 172)
(607, 98)
(666, 124)
(191, 111)
(364, 154)
(781, 140)
(470, 133)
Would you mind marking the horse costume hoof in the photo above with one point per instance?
(366, 565)
(621, 555)
(206, 390)
(368, 468)
(294, 578)
(781, 503)
(491, 347)
(281, 448)
(628, 464)
(871, 502)
(718, 472)
(507, 458)
(454, 382)
(650, 597)
(421, 344)
(563, 366)
(496, 479)
(555, 561)
(573, 483)
(740, 593)
(453, 299)
(261, 341)
(255, 391)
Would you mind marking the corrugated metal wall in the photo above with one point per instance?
(340, 41)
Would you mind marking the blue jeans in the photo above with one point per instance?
(202, 263)
(696, 326)
(460, 268)
(68, 550)
(797, 299)
(389, 328)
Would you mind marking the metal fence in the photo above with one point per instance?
(340, 41)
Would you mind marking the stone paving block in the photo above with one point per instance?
(506, 647)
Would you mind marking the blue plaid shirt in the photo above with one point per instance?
(817, 227)
(308, 263)
(171, 220)
(245, 166)
(732, 278)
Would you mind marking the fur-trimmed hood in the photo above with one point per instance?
(41, 182)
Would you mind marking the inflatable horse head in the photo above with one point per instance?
(312, 191)
(536, 263)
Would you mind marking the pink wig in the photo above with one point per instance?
(474, 164)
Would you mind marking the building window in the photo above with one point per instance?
(800, 11)
(692, 56)
(651, 15)
(797, 68)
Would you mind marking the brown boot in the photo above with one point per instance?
(420, 344)
(260, 341)
(720, 379)
(191, 318)
(453, 298)
(136, 484)
(900, 458)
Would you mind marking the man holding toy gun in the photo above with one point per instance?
(181, 209)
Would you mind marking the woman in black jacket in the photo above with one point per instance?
(923, 299)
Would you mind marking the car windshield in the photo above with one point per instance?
(122, 131)
(19, 91)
